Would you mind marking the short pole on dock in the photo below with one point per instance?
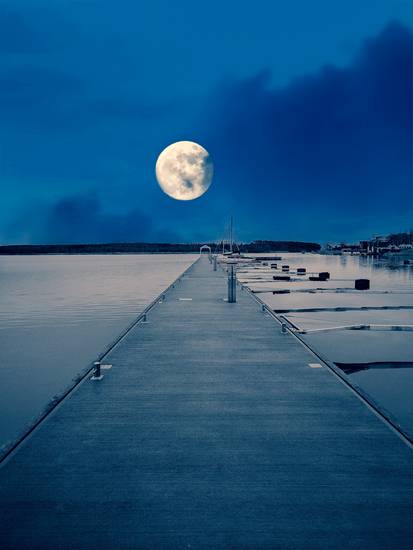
(97, 373)
(232, 285)
(215, 263)
(284, 328)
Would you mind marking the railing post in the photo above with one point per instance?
(232, 286)
(215, 263)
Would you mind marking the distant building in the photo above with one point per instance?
(377, 245)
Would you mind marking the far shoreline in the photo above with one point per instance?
(255, 247)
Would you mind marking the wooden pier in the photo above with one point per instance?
(213, 429)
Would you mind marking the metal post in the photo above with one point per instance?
(97, 372)
(215, 263)
(232, 287)
(97, 375)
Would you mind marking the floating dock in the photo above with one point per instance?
(213, 429)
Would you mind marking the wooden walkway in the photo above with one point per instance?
(210, 431)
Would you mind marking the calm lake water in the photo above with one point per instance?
(57, 313)
(378, 361)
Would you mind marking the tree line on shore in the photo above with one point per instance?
(405, 237)
(151, 248)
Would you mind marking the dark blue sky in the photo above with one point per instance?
(305, 107)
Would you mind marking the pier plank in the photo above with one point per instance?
(211, 430)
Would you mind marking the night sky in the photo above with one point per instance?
(304, 106)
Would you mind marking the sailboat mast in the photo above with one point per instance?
(230, 237)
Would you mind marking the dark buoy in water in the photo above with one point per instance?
(362, 284)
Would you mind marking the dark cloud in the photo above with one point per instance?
(16, 36)
(37, 91)
(333, 146)
(78, 219)
(33, 87)
(50, 99)
(129, 109)
(30, 29)
(28, 86)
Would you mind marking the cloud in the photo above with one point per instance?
(31, 87)
(331, 147)
(16, 36)
(79, 219)
(46, 85)
(32, 29)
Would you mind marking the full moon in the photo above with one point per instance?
(184, 170)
